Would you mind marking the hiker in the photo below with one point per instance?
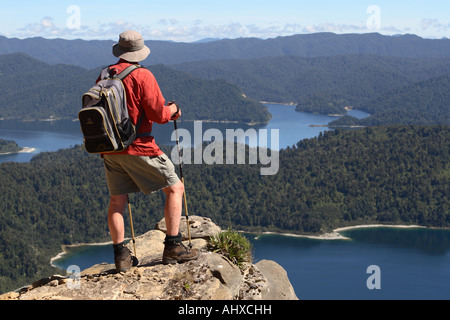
(143, 166)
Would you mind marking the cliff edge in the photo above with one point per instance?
(211, 277)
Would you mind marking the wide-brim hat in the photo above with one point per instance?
(131, 47)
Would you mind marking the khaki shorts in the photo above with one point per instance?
(128, 174)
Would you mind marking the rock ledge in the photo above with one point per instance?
(210, 277)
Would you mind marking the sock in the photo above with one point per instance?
(173, 240)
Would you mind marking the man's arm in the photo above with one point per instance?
(174, 110)
(153, 101)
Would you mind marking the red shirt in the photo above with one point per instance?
(143, 95)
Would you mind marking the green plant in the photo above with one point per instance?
(234, 245)
(187, 286)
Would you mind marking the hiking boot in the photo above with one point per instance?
(178, 253)
(123, 259)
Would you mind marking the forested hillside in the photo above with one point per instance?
(424, 102)
(355, 78)
(328, 84)
(391, 175)
(228, 90)
(35, 90)
(396, 174)
(92, 54)
(203, 99)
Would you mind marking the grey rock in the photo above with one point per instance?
(200, 227)
(210, 277)
(277, 285)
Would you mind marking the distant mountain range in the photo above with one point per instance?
(322, 73)
(95, 53)
(300, 79)
(328, 85)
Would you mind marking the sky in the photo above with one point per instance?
(193, 20)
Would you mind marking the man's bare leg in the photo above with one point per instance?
(173, 207)
(115, 218)
(122, 255)
(172, 212)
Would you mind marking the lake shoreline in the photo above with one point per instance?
(64, 248)
(336, 126)
(23, 150)
(336, 233)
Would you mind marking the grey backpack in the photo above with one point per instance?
(104, 119)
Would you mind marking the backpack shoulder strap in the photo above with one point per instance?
(128, 70)
(106, 72)
(122, 76)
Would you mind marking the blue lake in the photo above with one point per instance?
(413, 263)
(54, 135)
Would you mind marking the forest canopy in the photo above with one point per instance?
(33, 90)
(390, 175)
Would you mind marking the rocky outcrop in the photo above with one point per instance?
(210, 277)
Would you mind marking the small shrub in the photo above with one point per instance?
(233, 245)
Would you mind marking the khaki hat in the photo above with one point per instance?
(131, 47)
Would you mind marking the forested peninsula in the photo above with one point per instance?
(8, 146)
(386, 174)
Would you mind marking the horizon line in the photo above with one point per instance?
(212, 39)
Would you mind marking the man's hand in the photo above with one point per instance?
(174, 110)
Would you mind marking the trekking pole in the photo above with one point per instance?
(182, 180)
(132, 230)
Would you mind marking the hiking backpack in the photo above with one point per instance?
(104, 119)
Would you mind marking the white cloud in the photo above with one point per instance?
(336, 28)
(172, 29)
(47, 22)
(435, 24)
(48, 29)
(43, 28)
(165, 21)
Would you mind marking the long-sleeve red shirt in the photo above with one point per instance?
(143, 95)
